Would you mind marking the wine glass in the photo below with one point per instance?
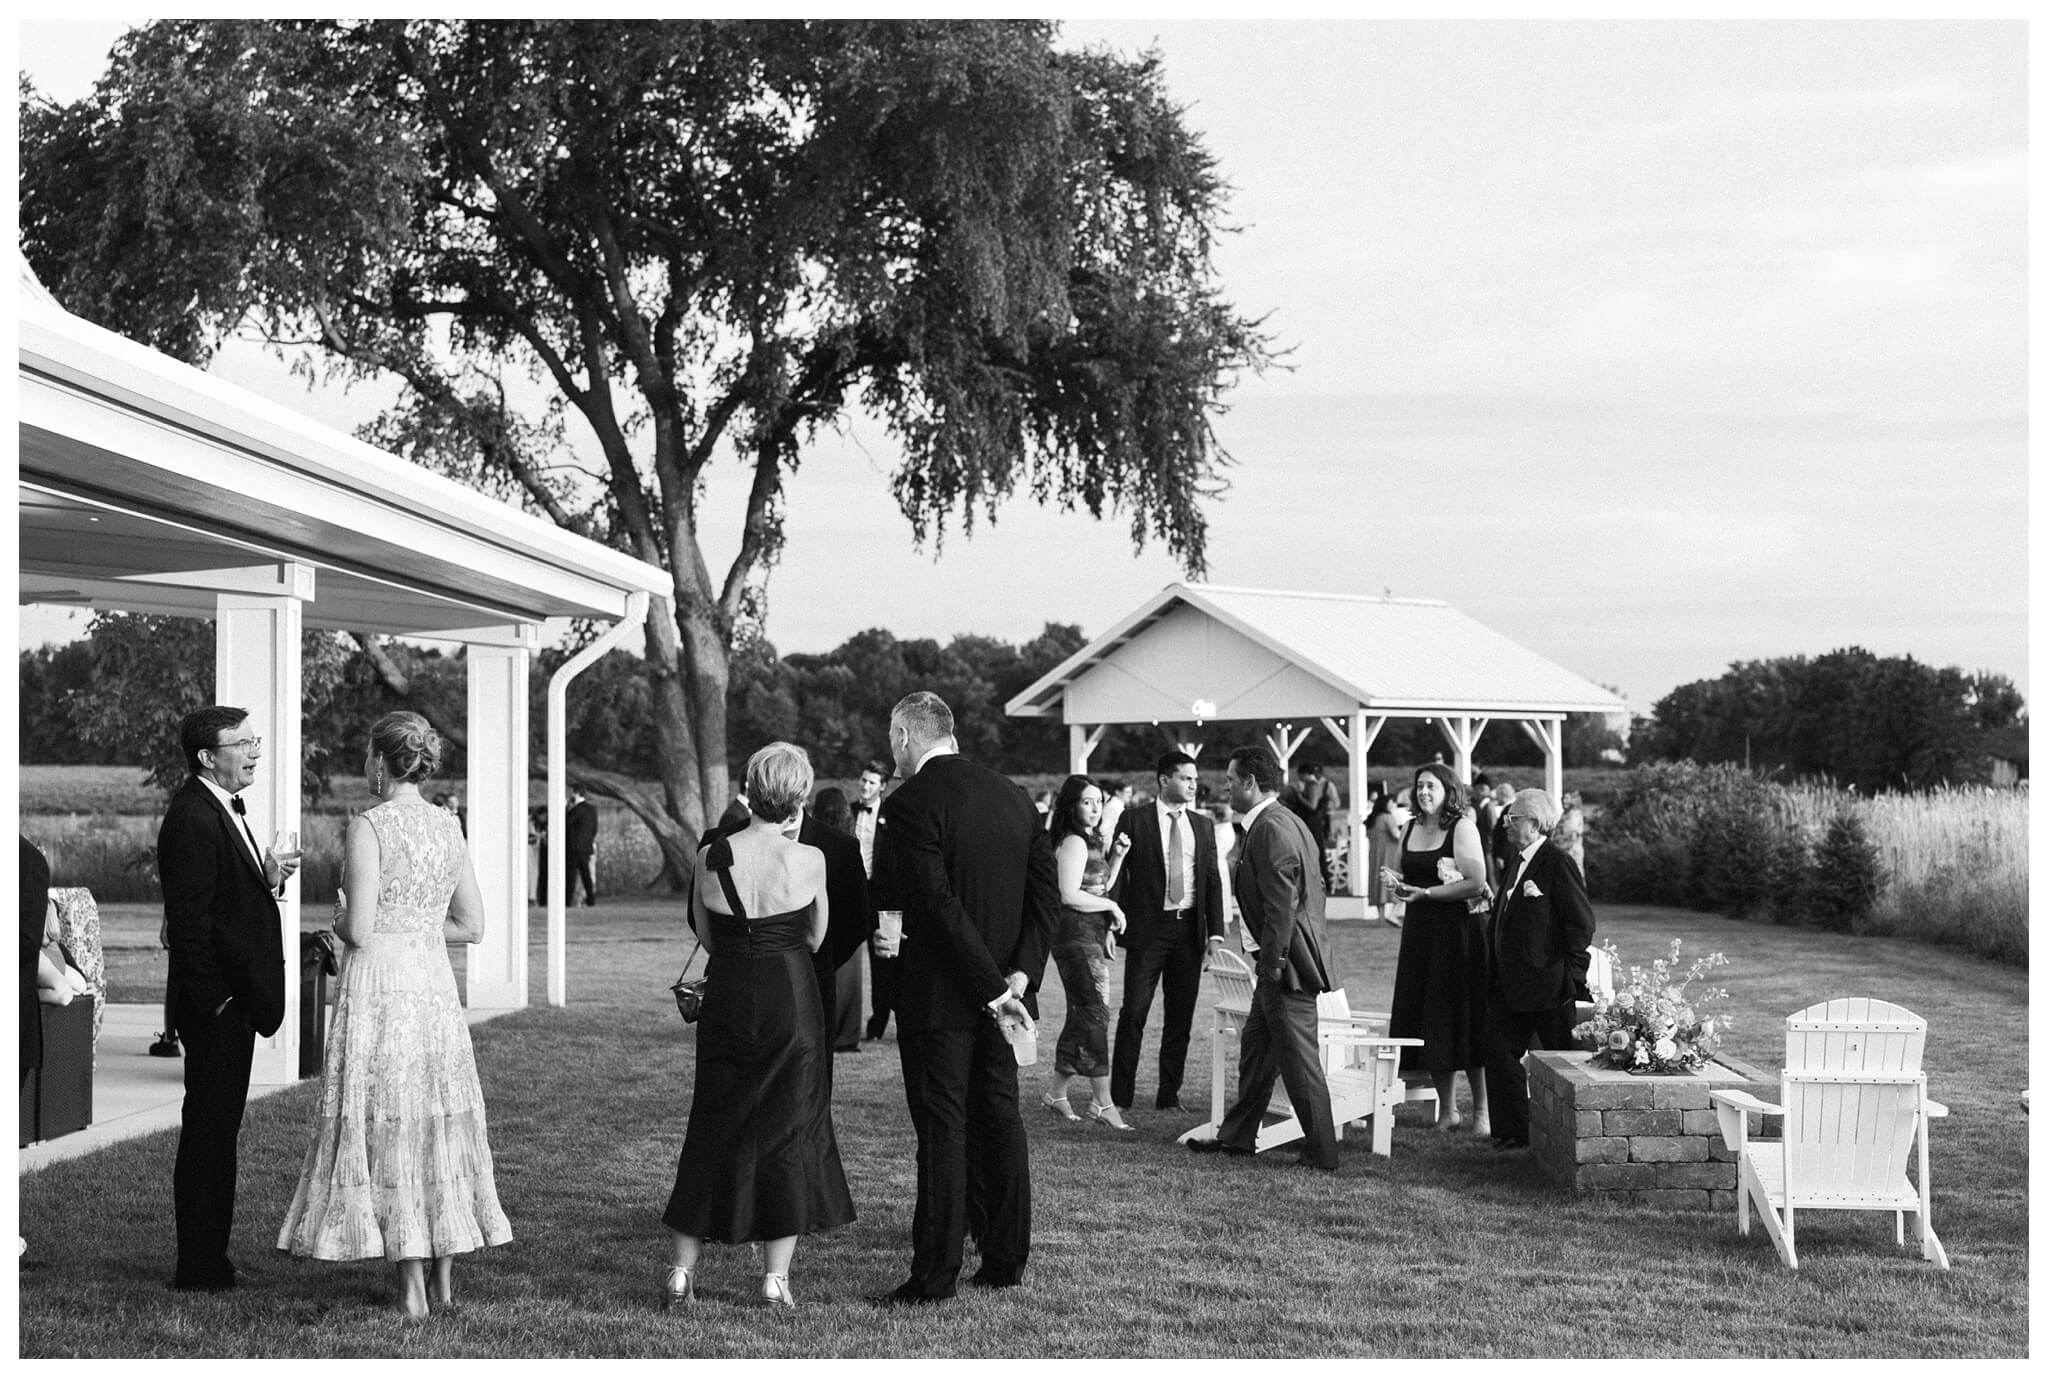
(284, 844)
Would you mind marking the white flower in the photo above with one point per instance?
(1618, 1040)
(1666, 1049)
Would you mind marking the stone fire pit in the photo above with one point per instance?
(1648, 1140)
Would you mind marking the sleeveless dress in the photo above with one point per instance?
(759, 1159)
(1083, 961)
(1440, 974)
(399, 1165)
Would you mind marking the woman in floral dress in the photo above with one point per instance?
(399, 1165)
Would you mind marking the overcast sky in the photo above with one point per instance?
(1653, 345)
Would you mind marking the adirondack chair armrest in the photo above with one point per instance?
(1934, 1109)
(1732, 1110)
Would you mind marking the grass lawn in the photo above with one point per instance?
(1140, 1249)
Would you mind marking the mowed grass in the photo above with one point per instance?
(1139, 1248)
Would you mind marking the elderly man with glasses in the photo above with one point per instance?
(1538, 942)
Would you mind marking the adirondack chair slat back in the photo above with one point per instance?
(1233, 981)
(1851, 1090)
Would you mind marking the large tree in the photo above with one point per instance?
(703, 241)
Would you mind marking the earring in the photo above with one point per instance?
(377, 780)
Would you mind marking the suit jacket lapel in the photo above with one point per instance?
(237, 839)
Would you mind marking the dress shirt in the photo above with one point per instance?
(241, 820)
(1527, 852)
(864, 832)
(1170, 819)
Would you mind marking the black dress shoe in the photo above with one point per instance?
(1173, 1104)
(165, 1046)
(989, 1277)
(1217, 1146)
(905, 1295)
(846, 1048)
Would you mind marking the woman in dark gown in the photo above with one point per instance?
(1440, 975)
(759, 1159)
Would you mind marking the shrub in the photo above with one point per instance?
(1846, 877)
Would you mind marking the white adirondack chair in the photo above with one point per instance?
(1856, 1109)
(1361, 1066)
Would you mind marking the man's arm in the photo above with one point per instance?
(853, 915)
(1574, 911)
(920, 867)
(1279, 885)
(1041, 911)
(1208, 880)
(188, 869)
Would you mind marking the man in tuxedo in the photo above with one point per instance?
(227, 968)
(1172, 898)
(973, 872)
(1537, 953)
(867, 818)
(580, 825)
(1280, 890)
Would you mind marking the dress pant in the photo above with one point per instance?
(845, 1027)
(580, 870)
(973, 1162)
(1509, 1034)
(1170, 961)
(882, 978)
(1280, 1041)
(218, 1049)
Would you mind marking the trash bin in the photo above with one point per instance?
(316, 964)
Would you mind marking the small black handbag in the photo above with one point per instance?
(689, 993)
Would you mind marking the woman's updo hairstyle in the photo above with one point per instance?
(408, 745)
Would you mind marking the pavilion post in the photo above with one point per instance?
(1081, 743)
(497, 789)
(256, 666)
(1548, 733)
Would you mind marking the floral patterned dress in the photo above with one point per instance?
(399, 1166)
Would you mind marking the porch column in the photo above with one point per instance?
(497, 789)
(1285, 741)
(1364, 730)
(256, 667)
(1548, 733)
(1081, 743)
(1462, 732)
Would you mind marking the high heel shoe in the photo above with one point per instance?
(680, 1290)
(1059, 1105)
(1111, 1116)
(775, 1290)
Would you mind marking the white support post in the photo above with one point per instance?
(1462, 732)
(558, 790)
(1364, 731)
(256, 666)
(1081, 743)
(1548, 733)
(497, 789)
(1285, 741)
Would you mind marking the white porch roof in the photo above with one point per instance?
(1269, 654)
(147, 485)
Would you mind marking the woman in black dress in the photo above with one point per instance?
(1440, 975)
(759, 1159)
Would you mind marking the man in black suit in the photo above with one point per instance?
(579, 825)
(1172, 897)
(227, 968)
(971, 868)
(867, 821)
(1280, 890)
(1537, 952)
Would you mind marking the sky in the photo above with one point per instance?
(1653, 345)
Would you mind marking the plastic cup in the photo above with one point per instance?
(889, 928)
(1022, 1038)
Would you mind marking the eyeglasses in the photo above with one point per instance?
(248, 743)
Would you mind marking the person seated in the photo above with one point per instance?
(58, 979)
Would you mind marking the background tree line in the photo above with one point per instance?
(1868, 721)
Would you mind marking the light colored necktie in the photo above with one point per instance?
(1174, 858)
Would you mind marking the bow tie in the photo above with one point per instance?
(235, 803)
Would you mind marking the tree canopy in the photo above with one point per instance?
(1875, 722)
(603, 256)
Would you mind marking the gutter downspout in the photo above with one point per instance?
(633, 619)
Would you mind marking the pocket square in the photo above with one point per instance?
(1530, 892)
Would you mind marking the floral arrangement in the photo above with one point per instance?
(1651, 1023)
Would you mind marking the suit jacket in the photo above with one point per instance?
(1141, 885)
(220, 917)
(579, 827)
(972, 869)
(846, 892)
(1540, 933)
(1279, 886)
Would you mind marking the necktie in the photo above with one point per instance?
(1174, 857)
(242, 816)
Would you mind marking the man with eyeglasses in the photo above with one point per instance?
(227, 974)
(1538, 949)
